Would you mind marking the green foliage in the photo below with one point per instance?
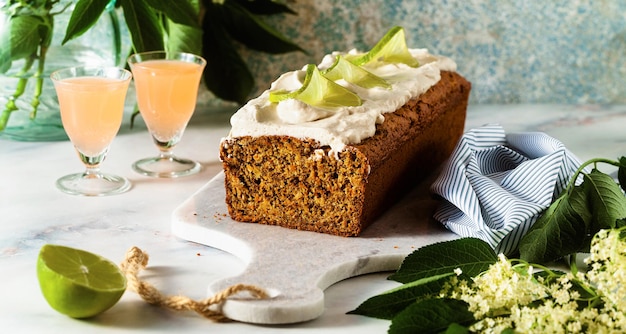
(177, 25)
(153, 25)
(144, 26)
(25, 36)
(150, 22)
(471, 255)
(249, 29)
(605, 199)
(227, 74)
(85, 15)
(424, 272)
(181, 12)
(433, 316)
(29, 35)
(621, 173)
(184, 37)
(565, 228)
(390, 303)
(30, 26)
(568, 225)
(561, 230)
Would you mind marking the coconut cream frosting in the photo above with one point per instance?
(338, 127)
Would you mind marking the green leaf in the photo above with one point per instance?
(265, 7)
(143, 25)
(555, 276)
(45, 33)
(226, 74)
(621, 173)
(25, 36)
(561, 230)
(455, 328)
(5, 53)
(432, 316)
(85, 14)
(184, 38)
(251, 31)
(5, 60)
(388, 304)
(179, 11)
(606, 199)
(472, 255)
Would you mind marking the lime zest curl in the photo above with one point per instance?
(318, 91)
(344, 69)
(319, 88)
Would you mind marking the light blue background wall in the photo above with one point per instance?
(513, 51)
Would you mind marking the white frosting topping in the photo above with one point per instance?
(338, 127)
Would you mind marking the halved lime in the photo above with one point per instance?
(78, 283)
(343, 69)
(318, 91)
(390, 49)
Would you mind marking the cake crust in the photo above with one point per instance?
(294, 183)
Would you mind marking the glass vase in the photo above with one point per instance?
(29, 108)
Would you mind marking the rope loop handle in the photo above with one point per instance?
(137, 260)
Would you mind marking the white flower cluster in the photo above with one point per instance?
(508, 296)
(608, 266)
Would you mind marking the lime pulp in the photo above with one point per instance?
(78, 283)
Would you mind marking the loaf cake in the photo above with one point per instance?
(335, 171)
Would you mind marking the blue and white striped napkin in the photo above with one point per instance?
(495, 185)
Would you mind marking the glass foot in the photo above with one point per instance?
(87, 184)
(166, 167)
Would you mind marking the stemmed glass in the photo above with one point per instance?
(91, 101)
(166, 84)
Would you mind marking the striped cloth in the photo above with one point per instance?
(495, 185)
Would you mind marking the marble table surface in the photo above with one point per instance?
(33, 212)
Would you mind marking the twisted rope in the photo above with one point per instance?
(137, 260)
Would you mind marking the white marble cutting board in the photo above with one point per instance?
(296, 266)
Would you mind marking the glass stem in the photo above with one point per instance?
(92, 162)
(92, 172)
(166, 154)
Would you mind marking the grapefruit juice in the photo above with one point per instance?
(166, 94)
(91, 111)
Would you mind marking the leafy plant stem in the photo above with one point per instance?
(38, 53)
(542, 268)
(586, 218)
(153, 25)
(46, 40)
(584, 165)
(4, 118)
(574, 271)
(573, 267)
(39, 81)
(19, 90)
(60, 10)
(117, 35)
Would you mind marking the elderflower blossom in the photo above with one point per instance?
(608, 266)
(550, 317)
(500, 288)
(509, 297)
